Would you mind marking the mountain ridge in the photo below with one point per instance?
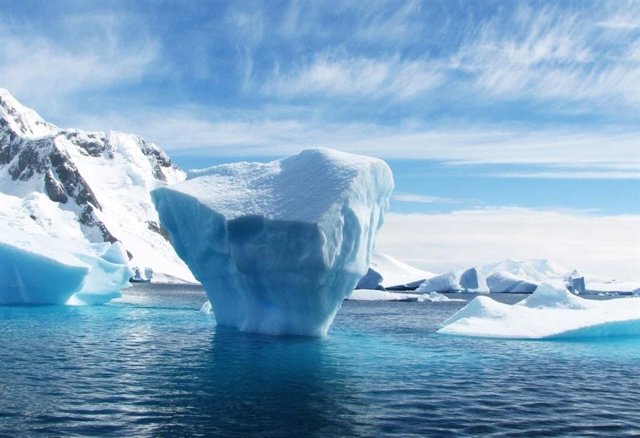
(103, 178)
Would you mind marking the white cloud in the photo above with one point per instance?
(606, 246)
(421, 199)
(554, 53)
(574, 174)
(45, 72)
(568, 154)
(341, 75)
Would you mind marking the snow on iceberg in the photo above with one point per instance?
(471, 280)
(278, 246)
(507, 276)
(386, 272)
(518, 276)
(37, 267)
(550, 312)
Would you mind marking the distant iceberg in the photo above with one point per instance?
(470, 280)
(550, 312)
(508, 276)
(278, 246)
(386, 272)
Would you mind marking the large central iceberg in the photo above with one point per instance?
(278, 246)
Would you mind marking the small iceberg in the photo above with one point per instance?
(388, 273)
(550, 312)
(472, 280)
(41, 269)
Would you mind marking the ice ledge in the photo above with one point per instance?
(550, 312)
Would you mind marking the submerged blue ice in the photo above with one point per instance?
(278, 246)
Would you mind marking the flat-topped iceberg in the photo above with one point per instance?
(550, 312)
(278, 246)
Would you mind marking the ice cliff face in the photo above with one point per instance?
(102, 179)
(278, 246)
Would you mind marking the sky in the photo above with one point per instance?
(512, 128)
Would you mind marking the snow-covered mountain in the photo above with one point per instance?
(91, 185)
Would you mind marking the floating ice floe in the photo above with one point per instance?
(380, 295)
(550, 312)
(278, 246)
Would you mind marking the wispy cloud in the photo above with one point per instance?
(573, 174)
(567, 154)
(422, 199)
(343, 75)
(554, 53)
(45, 71)
(607, 246)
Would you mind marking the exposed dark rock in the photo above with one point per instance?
(157, 158)
(25, 156)
(91, 144)
(54, 189)
(157, 228)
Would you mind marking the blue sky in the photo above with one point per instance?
(479, 107)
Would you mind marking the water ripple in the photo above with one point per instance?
(153, 365)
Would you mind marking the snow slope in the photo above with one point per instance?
(551, 311)
(93, 185)
(278, 246)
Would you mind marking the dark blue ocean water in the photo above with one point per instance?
(153, 365)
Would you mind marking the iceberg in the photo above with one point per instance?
(508, 276)
(387, 272)
(471, 280)
(517, 276)
(278, 246)
(504, 281)
(38, 267)
(551, 311)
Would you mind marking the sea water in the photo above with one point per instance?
(152, 364)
